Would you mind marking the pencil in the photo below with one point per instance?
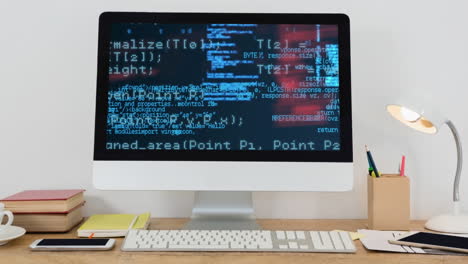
(371, 161)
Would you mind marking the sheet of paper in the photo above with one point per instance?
(378, 240)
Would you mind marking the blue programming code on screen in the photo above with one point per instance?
(223, 87)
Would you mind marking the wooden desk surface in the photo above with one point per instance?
(17, 251)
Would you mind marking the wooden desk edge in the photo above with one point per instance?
(17, 251)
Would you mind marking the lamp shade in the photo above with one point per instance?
(415, 117)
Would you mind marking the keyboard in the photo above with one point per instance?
(238, 240)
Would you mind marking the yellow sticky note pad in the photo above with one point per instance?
(354, 235)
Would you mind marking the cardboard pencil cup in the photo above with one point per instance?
(388, 202)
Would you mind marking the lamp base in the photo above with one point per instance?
(449, 224)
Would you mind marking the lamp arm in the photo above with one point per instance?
(456, 183)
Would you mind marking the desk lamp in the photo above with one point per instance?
(428, 122)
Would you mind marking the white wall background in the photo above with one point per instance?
(47, 83)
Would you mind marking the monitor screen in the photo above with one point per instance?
(221, 87)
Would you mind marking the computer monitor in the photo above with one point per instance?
(223, 102)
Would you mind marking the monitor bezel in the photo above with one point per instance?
(345, 154)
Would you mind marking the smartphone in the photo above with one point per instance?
(433, 240)
(73, 244)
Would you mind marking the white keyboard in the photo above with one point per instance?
(238, 240)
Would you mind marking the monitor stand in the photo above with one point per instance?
(216, 210)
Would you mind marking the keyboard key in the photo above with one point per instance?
(292, 245)
(266, 234)
(336, 240)
(304, 247)
(266, 246)
(160, 245)
(326, 239)
(347, 241)
(283, 246)
(237, 246)
(280, 235)
(200, 247)
(300, 234)
(316, 240)
(290, 235)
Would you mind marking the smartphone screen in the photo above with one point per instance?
(74, 242)
(437, 240)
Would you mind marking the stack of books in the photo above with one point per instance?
(46, 210)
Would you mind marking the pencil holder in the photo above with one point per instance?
(388, 199)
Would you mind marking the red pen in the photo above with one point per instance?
(402, 167)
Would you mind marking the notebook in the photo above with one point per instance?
(44, 201)
(113, 225)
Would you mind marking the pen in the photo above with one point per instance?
(402, 167)
(371, 161)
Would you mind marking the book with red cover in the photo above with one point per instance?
(42, 195)
(44, 201)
